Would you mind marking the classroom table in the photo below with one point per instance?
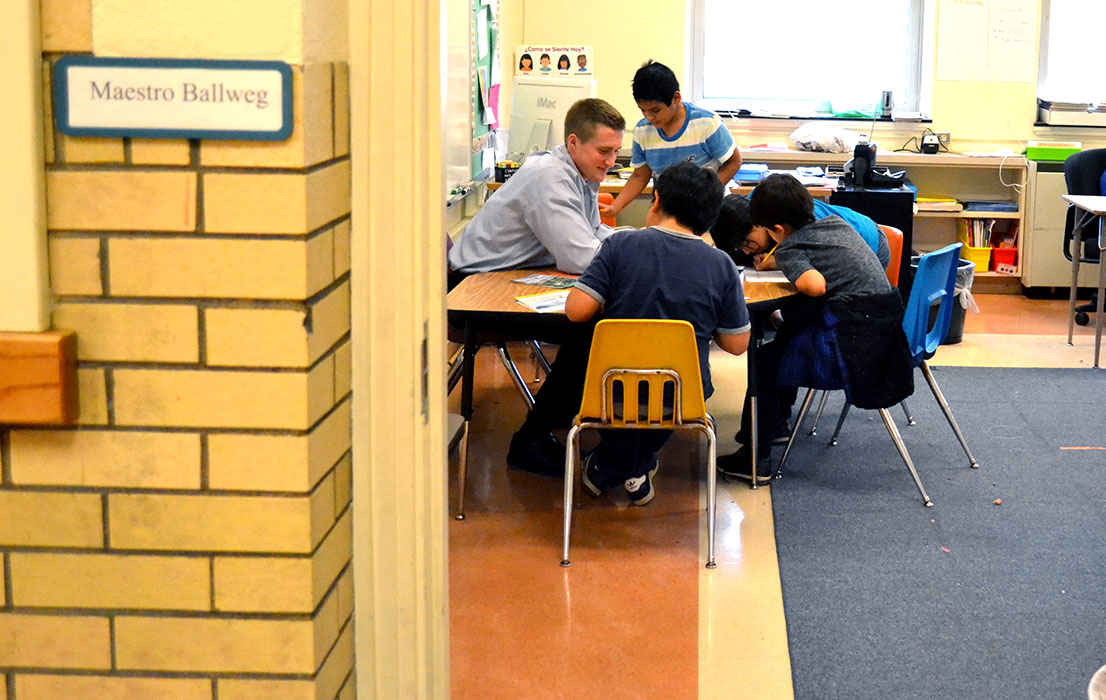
(614, 185)
(1091, 206)
(486, 302)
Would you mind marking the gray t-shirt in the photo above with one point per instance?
(835, 249)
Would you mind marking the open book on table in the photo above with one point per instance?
(546, 302)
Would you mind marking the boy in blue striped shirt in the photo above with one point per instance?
(671, 132)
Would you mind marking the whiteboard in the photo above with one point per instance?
(456, 104)
(987, 40)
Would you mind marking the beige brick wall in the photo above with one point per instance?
(197, 520)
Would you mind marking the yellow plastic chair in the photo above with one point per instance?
(642, 373)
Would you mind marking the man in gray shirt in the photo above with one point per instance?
(548, 213)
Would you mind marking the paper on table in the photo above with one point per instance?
(546, 303)
(555, 281)
(764, 275)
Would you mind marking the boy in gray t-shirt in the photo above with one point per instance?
(825, 259)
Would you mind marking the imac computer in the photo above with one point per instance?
(538, 109)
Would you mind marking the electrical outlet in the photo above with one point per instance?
(943, 137)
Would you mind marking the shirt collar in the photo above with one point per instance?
(678, 234)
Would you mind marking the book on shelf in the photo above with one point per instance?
(938, 204)
(988, 233)
(989, 205)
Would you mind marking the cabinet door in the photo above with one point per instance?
(1045, 264)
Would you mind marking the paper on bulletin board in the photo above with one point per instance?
(987, 40)
(482, 35)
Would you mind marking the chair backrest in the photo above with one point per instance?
(1082, 175)
(607, 198)
(934, 283)
(626, 396)
(894, 244)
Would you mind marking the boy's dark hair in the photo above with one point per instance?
(586, 115)
(781, 199)
(690, 194)
(655, 82)
(733, 227)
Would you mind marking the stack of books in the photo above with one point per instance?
(1071, 113)
(938, 204)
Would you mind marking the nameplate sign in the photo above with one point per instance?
(173, 98)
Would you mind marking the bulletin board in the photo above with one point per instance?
(472, 89)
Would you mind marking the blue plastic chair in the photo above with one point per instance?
(934, 283)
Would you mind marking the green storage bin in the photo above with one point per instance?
(1051, 150)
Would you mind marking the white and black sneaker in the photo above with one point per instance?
(591, 476)
(640, 488)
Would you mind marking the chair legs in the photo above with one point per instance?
(906, 409)
(572, 448)
(712, 491)
(512, 370)
(539, 355)
(462, 469)
(795, 430)
(840, 422)
(892, 429)
(948, 413)
(818, 414)
(901, 447)
(572, 453)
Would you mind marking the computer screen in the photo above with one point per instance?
(538, 108)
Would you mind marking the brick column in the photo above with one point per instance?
(191, 538)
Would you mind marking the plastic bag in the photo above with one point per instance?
(965, 275)
(820, 136)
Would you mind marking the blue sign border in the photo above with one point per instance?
(61, 98)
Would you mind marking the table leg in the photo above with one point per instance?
(751, 359)
(468, 365)
(468, 369)
(1101, 291)
(1076, 252)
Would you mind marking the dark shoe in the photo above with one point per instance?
(783, 433)
(640, 488)
(591, 477)
(537, 455)
(737, 466)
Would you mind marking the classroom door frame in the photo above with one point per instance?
(400, 500)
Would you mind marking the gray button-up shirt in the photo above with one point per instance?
(546, 214)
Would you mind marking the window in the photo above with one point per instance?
(1071, 52)
(807, 57)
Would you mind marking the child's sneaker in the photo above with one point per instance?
(737, 466)
(640, 488)
(590, 475)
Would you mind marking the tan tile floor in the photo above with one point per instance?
(637, 615)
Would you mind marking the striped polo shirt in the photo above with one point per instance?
(704, 140)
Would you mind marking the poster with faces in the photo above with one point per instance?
(563, 60)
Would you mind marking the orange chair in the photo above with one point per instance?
(606, 198)
(894, 244)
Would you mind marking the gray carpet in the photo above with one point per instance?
(970, 600)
